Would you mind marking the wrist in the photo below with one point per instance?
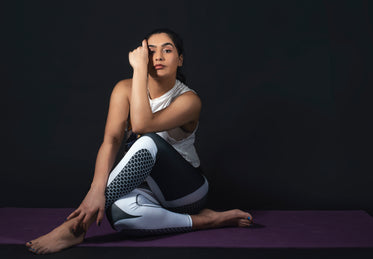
(96, 187)
(140, 70)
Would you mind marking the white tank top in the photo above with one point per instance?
(182, 141)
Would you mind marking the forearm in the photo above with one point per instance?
(104, 163)
(140, 110)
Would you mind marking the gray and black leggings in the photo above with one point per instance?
(153, 189)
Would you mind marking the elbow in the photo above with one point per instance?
(138, 131)
(142, 125)
(139, 128)
(112, 140)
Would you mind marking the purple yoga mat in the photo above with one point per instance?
(273, 229)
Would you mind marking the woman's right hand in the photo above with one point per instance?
(91, 208)
(139, 57)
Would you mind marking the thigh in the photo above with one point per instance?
(174, 181)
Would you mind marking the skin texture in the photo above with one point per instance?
(154, 65)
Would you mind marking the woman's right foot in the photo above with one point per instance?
(212, 219)
(58, 239)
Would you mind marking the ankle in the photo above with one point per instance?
(201, 221)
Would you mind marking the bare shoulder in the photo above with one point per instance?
(191, 98)
(122, 91)
(123, 86)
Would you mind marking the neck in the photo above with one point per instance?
(159, 86)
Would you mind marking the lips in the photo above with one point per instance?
(159, 66)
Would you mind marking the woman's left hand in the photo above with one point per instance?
(139, 57)
(92, 208)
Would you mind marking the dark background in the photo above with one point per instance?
(286, 89)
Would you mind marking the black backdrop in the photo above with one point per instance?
(286, 89)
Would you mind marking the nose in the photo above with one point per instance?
(158, 55)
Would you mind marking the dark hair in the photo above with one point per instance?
(178, 44)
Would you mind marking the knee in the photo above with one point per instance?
(150, 135)
(160, 143)
(146, 142)
(121, 217)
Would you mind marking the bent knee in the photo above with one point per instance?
(122, 210)
(145, 142)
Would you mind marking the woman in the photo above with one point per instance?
(157, 187)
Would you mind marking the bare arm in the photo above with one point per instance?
(93, 204)
(114, 132)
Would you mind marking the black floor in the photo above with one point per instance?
(18, 252)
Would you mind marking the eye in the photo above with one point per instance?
(167, 50)
(151, 51)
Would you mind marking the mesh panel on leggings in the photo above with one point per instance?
(131, 176)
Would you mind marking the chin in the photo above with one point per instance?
(160, 75)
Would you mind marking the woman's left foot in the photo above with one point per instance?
(212, 219)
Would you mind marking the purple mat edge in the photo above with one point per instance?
(226, 237)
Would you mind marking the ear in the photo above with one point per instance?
(181, 59)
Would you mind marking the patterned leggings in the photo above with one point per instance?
(153, 189)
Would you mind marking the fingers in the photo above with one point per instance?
(73, 214)
(144, 45)
(84, 218)
(100, 216)
(78, 221)
(88, 219)
(91, 216)
(139, 57)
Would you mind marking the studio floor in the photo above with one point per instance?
(275, 234)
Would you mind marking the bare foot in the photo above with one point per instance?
(212, 219)
(58, 239)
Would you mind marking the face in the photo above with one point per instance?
(163, 57)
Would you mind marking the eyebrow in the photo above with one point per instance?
(163, 45)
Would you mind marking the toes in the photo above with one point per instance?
(32, 247)
(32, 250)
(37, 250)
(43, 251)
(243, 214)
(248, 217)
(244, 223)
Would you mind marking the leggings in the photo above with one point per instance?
(153, 189)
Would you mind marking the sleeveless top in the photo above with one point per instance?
(182, 141)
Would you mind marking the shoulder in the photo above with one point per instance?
(189, 98)
(191, 95)
(121, 91)
(188, 93)
(122, 87)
